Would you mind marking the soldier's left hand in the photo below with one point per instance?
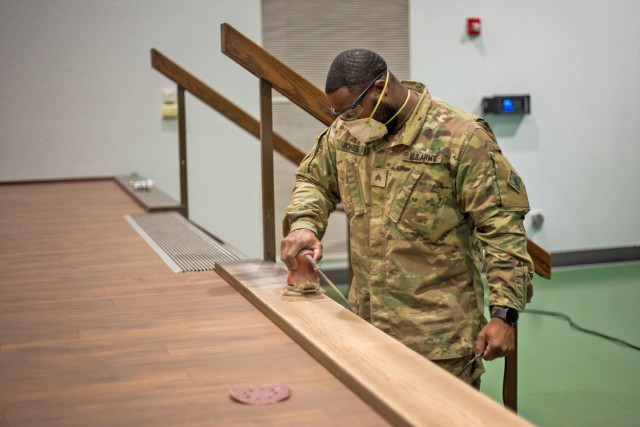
(497, 339)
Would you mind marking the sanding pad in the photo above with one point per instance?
(292, 292)
(260, 394)
(304, 280)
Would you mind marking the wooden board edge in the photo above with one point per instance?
(343, 375)
(386, 409)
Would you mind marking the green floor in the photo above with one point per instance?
(569, 378)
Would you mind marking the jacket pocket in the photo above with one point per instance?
(524, 288)
(351, 191)
(425, 204)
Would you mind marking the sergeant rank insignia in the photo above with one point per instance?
(379, 177)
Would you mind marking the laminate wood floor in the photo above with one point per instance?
(95, 330)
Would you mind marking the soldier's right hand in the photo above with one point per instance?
(296, 241)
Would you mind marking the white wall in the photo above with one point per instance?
(78, 98)
(578, 150)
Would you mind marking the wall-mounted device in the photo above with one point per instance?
(507, 104)
(474, 27)
(169, 104)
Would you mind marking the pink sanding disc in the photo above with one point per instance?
(260, 394)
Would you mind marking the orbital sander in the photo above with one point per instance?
(305, 281)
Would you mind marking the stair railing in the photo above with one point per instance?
(186, 82)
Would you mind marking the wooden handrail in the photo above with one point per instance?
(219, 103)
(283, 79)
(541, 259)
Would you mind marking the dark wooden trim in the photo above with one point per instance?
(219, 103)
(56, 180)
(182, 148)
(510, 379)
(266, 151)
(152, 200)
(283, 79)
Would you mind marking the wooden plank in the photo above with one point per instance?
(401, 385)
(97, 330)
(219, 103)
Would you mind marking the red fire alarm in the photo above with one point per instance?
(473, 26)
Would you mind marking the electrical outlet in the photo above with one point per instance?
(537, 218)
(169, 104)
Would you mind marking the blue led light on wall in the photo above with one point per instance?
(507, 104)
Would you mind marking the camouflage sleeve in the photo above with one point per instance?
(493, 195)
(315, 193)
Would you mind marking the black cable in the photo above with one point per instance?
(580, 328)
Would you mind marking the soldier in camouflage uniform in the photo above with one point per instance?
(425, 188)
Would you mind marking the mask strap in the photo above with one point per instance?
(386, 80)
(401, 108)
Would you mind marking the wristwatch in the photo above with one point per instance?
(507, 314)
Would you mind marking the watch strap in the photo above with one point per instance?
(507, 314)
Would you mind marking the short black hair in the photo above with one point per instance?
(354, 69)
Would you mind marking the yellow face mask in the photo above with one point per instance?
(369, 129)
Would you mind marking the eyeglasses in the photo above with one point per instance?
(359, 99)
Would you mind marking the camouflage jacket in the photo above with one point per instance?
(422, 205)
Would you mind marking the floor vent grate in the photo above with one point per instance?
(180, 244)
